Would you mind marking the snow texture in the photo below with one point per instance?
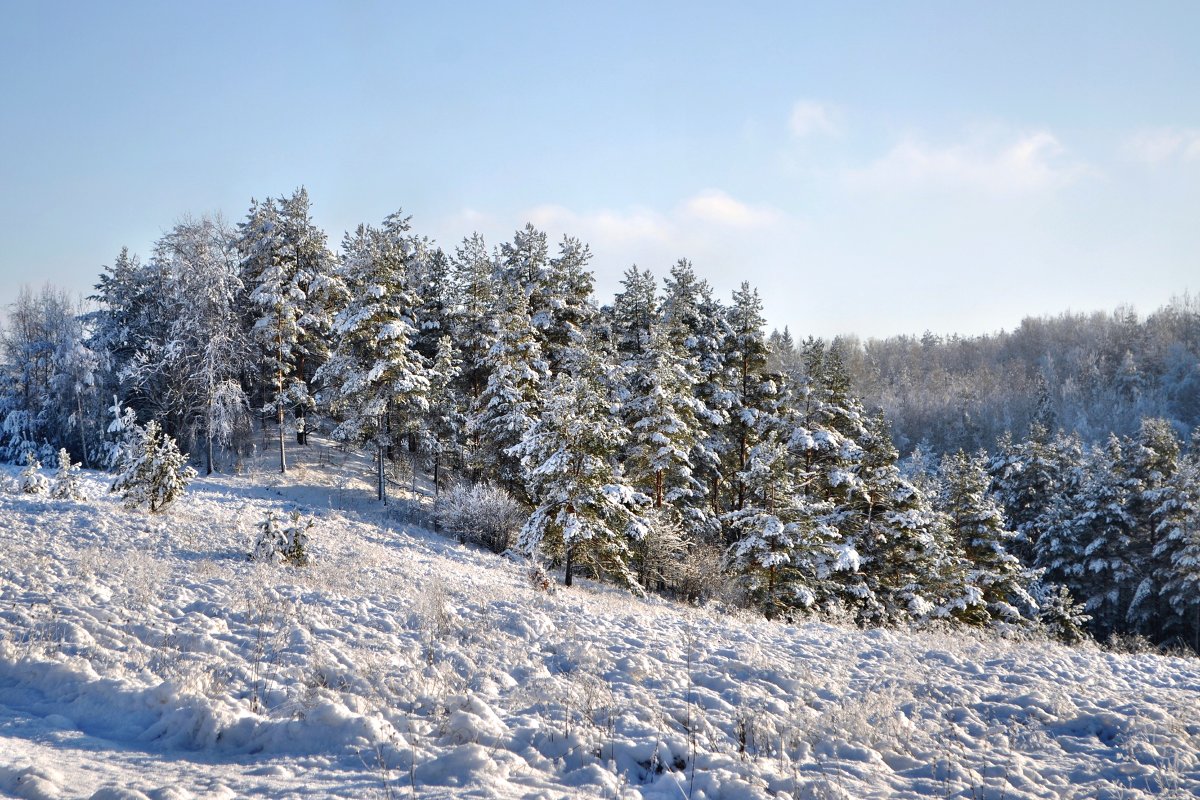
(144, 656)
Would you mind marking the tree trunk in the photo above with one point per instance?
(567, 577)
(282, 452)
(209, 452)
(82, 437)
(279, 393)
(382, 476)
(658, 489)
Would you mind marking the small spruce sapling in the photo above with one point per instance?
(279, 543)
(66, 484)
(154, 472)
(32, 481)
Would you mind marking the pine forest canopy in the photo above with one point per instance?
(664, 440)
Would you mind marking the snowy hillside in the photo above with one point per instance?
(144, 656)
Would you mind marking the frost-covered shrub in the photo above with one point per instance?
(32, 481)
(482, 513)
(66, 484)
(153, 472)
(280, 542)
(539, 579)
(700, 577)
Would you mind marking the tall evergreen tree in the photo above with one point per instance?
(375, 369)
(511, 403)
(977, 526)
(585, 513)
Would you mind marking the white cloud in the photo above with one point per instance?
(716, 207)
(809, 118)
(1032, 162)
(1160, 145)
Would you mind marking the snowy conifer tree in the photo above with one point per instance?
(1177, 551)
(1106, 531)
(155, 473)
(977, 525)
(585, 513)
(66, 485)
(31, 479)
(285, 268)
(374, 369)
(512, 400)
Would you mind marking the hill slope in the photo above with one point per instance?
(144, 656)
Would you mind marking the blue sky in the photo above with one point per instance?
(872, 167)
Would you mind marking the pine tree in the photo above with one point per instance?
(977, 526)
(1152, 461)
(278, 542)
(155, 473)
(1177, 551)
(585, 513)
(375, 369)
(446, 417)
(66, 485)
(1025, 476)
(31, 480)
(695, 322)
(893, 529)
(1106, 529)
(286, 268)
(571, 312)
(512, 400)
(782, 545)
(745, 357)
(476, 292)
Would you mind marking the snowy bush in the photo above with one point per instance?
(279, 543)
(539, 579)
(66, 484)
(32, 481)
(154, 473)
(482, 513)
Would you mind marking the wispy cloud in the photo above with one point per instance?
(1161, 145)
(718, 208)
(809, 118)
(1031, 162)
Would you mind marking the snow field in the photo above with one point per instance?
(143, 656)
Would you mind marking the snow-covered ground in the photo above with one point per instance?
(144, 656)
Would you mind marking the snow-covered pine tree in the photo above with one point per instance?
(745, 358)
(892, 527)
(285, 268)
(1106, 530)
(976, 523)
(430, 277)
(635, 313)
(155, 473)
(1152, 461)
(1177, 551)
(476, 291)
(374, 369)
(781, 544)
(512, 400)
(1025, 477)
(207, 350)
(279, 541)
(1061, 541)
(31, 480)
(446, 419)
(66, 484)
(695, 321)
(571, 312)
(585, 513)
